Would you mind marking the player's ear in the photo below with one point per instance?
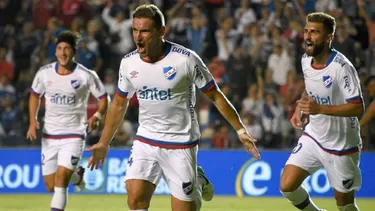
(330, 37)
(162, 31)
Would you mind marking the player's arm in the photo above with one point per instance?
(225, 108)
(343, 110)
(369, 114)
(37, 90)
(202, 78)
(114, 118)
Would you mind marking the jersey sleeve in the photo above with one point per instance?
(350, 85)
(200, 75)
(37, 87)
(124, 87)
(96, 86)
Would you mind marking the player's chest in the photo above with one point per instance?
(322, 86)
(161, 76)
(65, 84)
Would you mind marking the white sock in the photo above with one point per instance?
(75, 178)
(348, 207)
(59, 199)
(198, 199)
(301, 199)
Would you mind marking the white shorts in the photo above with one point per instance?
(177, 166)
(343, 171)
(61, 152)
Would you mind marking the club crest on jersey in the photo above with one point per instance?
(169, 72)
(327, 80)
(75, 84)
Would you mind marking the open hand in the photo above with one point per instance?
(249, 143)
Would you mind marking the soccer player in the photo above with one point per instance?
(332, 101)
(65, 86)
(164, 76)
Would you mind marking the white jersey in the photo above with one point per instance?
(166, 94)
(66, 99)
(336, 84)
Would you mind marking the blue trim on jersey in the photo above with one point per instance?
(333, 55)
(208, 85)
(357, 99)
(103, 95)
(332, 151)
(63, 136)
(74, 66)
(167, 49)
(123, 94)
(34, 92)
(167, 144)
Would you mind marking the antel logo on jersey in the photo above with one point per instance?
(61, 99)
(169, 72)
(327, 80)
(75, 84)
(154, 94)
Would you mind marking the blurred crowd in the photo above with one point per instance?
(252, 47)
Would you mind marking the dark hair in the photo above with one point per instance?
(69, 37)
(150, 11)
(328, 21)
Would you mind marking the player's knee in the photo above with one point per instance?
(138, 203)
(50, 185)
(287, 186)
(348, 207)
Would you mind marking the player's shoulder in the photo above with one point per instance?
(130, 55)
(47, 67)
(84, 70)
(180, 50)
(341, 60)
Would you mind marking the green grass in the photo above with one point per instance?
(162, 203)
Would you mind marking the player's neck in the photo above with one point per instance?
(320, 61)
(157, 55)
(65, 69)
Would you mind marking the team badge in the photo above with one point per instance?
(74, 160)
(187, 187)
(327, 80)
(75, 84)
(169, 72)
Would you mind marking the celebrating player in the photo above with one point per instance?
(332, 101)
(164, 77)
(65, 86)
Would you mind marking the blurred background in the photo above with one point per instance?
(252, 47)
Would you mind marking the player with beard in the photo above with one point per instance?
(327, 112)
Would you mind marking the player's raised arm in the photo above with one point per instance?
(207, 85)
(349, 87)
(36, 92)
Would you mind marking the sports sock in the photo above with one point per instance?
(75, 178)
(59, 199)
(348, 207)
(301, 199)
(198, 198)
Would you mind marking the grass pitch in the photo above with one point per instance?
(162, 203)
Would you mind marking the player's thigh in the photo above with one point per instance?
(70, 153)
(302, 162)
(343, 173)
(343, 199)
(179, 168)
(49, 154)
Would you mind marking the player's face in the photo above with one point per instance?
(145, 35)
(64, 53)
(315, 38)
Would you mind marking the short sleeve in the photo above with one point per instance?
(37, 87)
(199, 74)
(124, 87)
(350, 85)
(96, 86)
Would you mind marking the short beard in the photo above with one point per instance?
(318, 49)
